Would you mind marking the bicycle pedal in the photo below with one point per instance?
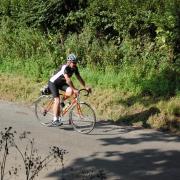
(44, 113)
(62, 104)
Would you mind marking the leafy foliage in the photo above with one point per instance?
(137, 40)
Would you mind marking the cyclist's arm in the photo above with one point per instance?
(81, 80)
(69, 82)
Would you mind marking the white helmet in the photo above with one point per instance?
(72, 57)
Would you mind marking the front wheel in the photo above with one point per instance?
(82, 117)
(44, 109)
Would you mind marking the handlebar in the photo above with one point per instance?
(79, 91)
(87, 92)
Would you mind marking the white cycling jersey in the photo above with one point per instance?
(58, 76)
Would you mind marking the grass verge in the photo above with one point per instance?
(110, 104)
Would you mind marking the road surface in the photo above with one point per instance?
(117, 152)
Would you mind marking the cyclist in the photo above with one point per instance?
(61, 80)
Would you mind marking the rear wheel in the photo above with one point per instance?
(44, 109)
(83, 118)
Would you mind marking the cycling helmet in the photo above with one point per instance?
(72, 57)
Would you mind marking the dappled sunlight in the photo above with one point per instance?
(145, 164)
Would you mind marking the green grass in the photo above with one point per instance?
(109, 103)
(128, 86)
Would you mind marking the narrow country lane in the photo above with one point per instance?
(121, 152)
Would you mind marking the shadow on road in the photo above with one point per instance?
(145, 164)
(104, 128)
(110, 128)
(154, 136)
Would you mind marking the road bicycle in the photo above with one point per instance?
(81, 115)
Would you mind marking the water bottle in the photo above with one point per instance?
(66, 105)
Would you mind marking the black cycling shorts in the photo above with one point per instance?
(55, 89)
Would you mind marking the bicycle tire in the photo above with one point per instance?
(44, 109)
(84, 119)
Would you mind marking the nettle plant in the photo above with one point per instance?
(32, 161)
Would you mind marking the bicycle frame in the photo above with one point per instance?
(74, 101)
(81, 116)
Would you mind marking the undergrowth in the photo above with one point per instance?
(128, 52)
(110, 104)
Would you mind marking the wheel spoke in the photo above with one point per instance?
(83, 118)
(43, 110)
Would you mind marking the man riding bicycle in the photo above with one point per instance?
(61, 80)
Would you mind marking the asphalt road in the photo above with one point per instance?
(117, 152)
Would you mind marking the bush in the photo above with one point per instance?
(137, 42)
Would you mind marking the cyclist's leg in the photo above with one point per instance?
(55, 92)
(68, 91)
